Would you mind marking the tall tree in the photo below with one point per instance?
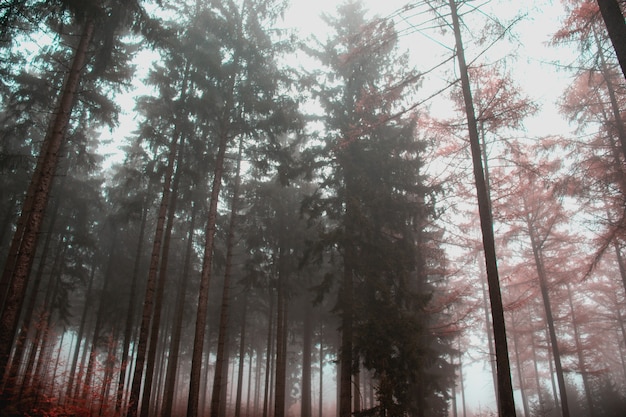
(109, 19)
(246, 94)
(506, 402)
(376, 204)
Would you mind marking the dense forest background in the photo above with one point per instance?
(204, 211)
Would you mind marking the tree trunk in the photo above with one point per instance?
(580, 354)
(520, 372)
(130, 312)
(205, 279)
(543, 284)
(79, 335)
(281, 336)
(269, 353)
(242, 356)
(221, 358)
(172, 364)
(505, 386)
(162, 278)
(100, 317)
(35, 206)
(321, 382)
(614, 21)
(307, 341)
(149, 298)
(11, 381)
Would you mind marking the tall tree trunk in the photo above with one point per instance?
(346, 359)
(281, 335)
(100, 318)
(242, 356)
(580, 354)
(321, 381)
(130, 311)
(79, 335)
(37, 199)
(543, 285)
(160, 287)
(520, 373)
(268, 360)
(537, 382)
(307, 341)
(27, 322)
(221, 358)
(614, 21)
(505, 387)
(205, 279)
(172, 363)
(149, 298)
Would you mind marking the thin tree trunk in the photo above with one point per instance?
(41, 184)
(27, 322)
(346, 301)
(520, 373)
(321, 382)
(79, 336)
(100, 317)
(205, 279)
(172, 364)
(149, 298)
(505, 387)
(268, 361)
(221, 358)
(580, 354)
(543, 284)
(307, 341)
(242, 356)
(281, 335)
(160, 287)
(130, 311)
(537, 382)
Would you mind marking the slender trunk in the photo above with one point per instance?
(492, 355)
(520, 373)
(346, 301)
(151, 286)
(543, 284)
(221, 359)
(281, 337)
(109, 368)
(462, 382)
(102, 310)
(537, 382)
(506, 402)
(249, 394)
(130, 311)
(307, 341)
(242, 356)
(35, 206)
(172, 364)
(162, 278)
(614, 21)
(321, 381)
(268, 360)
(79, 335)
(205, 279)
(27, 322)
(580, 354)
